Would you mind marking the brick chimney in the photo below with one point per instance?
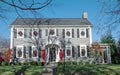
(85, 15)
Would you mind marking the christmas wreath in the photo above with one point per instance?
(82, 33)
(52, 32)
(68, 52)
(19, 53)
(35, 52)
(35, 33)
(20, 33)
(68, 33)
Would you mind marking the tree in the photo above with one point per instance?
(4, 43)
(7, 55)
(110, 14)
(22, 6)
(107, 38)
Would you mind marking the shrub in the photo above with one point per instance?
(60, 63)
(80, 63)
(4, 63)
(74, 63)
(19, 63)
(87, 63)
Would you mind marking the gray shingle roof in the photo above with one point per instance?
(51, 21)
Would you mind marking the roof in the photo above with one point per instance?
(51, 21)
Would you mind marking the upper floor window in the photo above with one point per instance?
(20, 33)
(83, 33)
(35, 33)
(68, 33)
(52, 32)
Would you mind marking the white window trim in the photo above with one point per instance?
(68, 47)
(37, 30)
(22, 32)
(21, 50)
(70, 30)
(81, 50)
(80, 33)
(54, 31)
(32, 51)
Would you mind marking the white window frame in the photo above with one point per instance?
(80, 30)
(54, 32)
(81, 47)
(37, 30)
(34, 47)
(68, 29)
(70, 48)
(21, 50)
(22, 30)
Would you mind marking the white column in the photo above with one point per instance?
(48, 55)
(12, 38)
(90, 34)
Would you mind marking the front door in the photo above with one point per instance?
(52, 55)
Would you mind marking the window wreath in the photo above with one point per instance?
(68, 52)
(52, 32)
(82, 33)
(68, 33)
(20, 33)
(34, 52)
(35, 33)
(19, 53)
(83, 52)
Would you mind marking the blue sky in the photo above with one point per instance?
(59, 9)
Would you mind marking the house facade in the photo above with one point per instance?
(51, 39)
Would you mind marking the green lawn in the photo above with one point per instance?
(94, 69)
(16, 70)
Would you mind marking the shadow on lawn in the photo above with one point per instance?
(87, 70)
(95, 70)
(21, 71)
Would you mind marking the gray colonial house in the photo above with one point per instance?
(51, 39)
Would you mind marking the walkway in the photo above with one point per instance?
(50, 69)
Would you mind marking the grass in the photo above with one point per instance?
(17, 70)
(88, 69)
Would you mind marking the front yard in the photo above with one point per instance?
(67, 68)
(88, 69)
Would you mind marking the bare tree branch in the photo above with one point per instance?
(24, 7)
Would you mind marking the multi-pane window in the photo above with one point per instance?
(35, 33)
(34, 51)
(52, 32)
(68, 33)
(19, 51)
(82, 33)
(83, 51)
(20, 33)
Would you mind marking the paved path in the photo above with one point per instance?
(48, 70)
